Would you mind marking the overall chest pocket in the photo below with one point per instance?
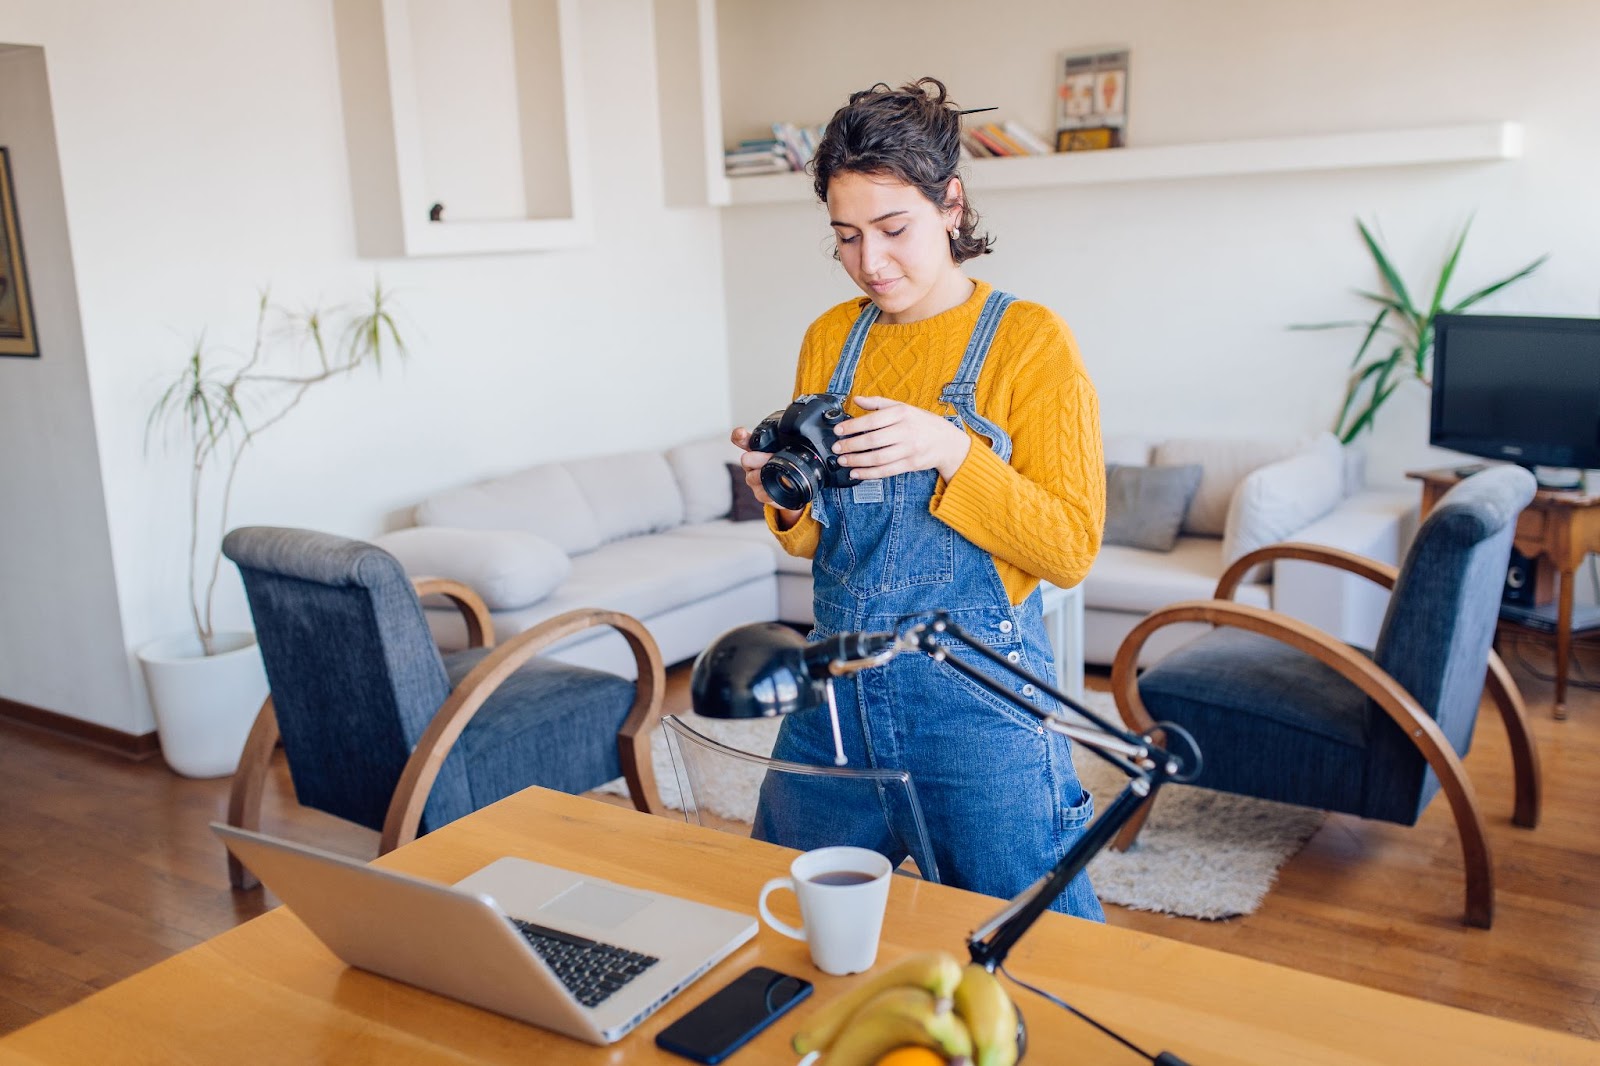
(890, 543)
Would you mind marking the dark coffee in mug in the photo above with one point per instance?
(842, 877)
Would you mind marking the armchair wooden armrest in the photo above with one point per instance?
(1371, 569)
(1360, 671)
(1498, 681)
(480, 628)
(633, 738)
(249, 781)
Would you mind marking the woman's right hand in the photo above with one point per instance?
(753, 462)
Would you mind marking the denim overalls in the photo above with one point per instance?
(999, 793)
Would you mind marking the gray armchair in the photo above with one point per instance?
(381, 729)
(1284, 712)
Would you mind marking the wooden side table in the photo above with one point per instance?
(1561, 526)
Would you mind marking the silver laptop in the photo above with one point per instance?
(560, 950)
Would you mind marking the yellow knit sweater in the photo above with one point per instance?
(1042, 515)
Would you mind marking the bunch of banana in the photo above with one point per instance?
(990, 1015)
(926, 1000)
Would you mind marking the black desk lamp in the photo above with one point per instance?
(766, 669)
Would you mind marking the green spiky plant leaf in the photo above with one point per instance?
(218, 411)
(1372, 381)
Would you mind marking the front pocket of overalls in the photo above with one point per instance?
(1076, 814)
(834, 553)
(971, 658)
(921, 549)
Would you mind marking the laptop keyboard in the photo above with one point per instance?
(592, 971)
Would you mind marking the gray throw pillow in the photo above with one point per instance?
(746, 508)
(1145, 505)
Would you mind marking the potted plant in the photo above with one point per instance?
(1408, 329)
(206, 686)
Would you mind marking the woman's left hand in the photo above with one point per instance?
(893, 437)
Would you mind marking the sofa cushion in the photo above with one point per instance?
(1276, 501)
(629, 494)
(542, 499)
(1132, 579)
(508, 568)
(644, 576)
(747, 533)
(1224, 464)
(698, 467)
(1145, 505)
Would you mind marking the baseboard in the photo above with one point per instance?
(128, 745)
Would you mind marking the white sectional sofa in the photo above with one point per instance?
(1294, 499)
(647, 533)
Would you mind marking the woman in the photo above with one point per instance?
(975, 451)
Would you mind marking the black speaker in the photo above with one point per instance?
(1522, 580)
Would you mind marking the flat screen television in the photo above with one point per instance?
(1521, 388)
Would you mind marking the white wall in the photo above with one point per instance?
(1180, 291)
(60, 634)
(203, 155)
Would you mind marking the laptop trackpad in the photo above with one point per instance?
(597, 905)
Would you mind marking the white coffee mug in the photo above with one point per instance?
(842, 894)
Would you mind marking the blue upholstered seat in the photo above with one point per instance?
(1276, 708)
(358, 685)
(548, 724)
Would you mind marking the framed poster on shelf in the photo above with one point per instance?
(1092, 99)
(16, 302)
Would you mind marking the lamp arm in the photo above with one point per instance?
(1107, 739)
(1108, 747)
(1147, 765)
(990, 951)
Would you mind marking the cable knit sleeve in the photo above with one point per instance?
(1044, 513)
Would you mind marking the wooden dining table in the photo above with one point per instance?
(268, 991)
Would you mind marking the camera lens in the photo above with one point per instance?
(791, 479)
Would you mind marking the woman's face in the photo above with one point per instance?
(895, 244)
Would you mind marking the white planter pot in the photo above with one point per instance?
(204, 704)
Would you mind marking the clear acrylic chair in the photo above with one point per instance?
(720, 787)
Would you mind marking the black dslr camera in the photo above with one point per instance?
(800, 438)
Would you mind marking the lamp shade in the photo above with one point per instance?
(755, 671)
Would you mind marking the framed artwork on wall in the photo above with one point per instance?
(1092, 99)
(16, 300)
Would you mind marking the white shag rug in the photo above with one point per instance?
(1202, 854)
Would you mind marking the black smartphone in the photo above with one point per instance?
(725, 1022)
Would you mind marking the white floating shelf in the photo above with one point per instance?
(1475, 142)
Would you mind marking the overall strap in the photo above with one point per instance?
(961, 392)
(844, 374)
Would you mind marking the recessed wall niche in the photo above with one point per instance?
(463, 124)
(689, 101)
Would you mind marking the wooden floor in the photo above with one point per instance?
(106, 867)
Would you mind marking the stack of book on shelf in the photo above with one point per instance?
(755, 157)
(789, 148)
(1002, 139)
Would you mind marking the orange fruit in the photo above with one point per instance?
(912, 1056)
